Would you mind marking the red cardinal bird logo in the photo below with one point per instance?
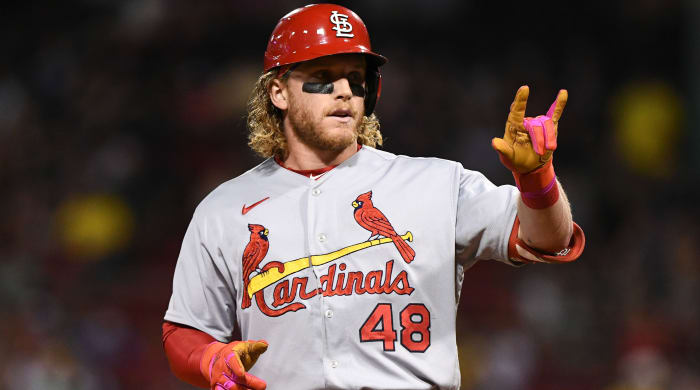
(253, 254)
(370, 218)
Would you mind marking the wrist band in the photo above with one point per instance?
(538, 189)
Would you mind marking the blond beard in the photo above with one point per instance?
(308, 132)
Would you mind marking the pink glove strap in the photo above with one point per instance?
(541, 130)
(538, 188)
(542, 135)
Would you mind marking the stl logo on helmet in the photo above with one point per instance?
(342, 27)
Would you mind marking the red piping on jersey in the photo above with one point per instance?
(310, 172)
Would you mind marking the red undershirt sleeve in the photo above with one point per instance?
(184, 347)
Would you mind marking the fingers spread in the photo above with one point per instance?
(517, 109)
(556, 109)
(502, 147)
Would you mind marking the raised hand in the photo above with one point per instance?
(528, 143)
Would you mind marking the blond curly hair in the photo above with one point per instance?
(264, 121)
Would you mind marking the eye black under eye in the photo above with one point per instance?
(322, 82)
(322, 87)
(327, 88)
(357, 89)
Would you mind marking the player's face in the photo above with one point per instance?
(326, 101)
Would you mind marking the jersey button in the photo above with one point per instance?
(315, 192)
(334, 363)
(329, 313)
(322, 237)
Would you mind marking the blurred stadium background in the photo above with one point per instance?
(117, 117)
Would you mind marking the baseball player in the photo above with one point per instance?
(343, 262)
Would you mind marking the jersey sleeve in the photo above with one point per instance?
(203, 291)
(519, 251)
(485, 217)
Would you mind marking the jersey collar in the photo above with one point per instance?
(314, 173)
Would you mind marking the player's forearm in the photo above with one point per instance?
(547, 229)
(184, 348)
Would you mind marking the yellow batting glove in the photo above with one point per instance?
(528, 143)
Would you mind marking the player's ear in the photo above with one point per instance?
(279, 94)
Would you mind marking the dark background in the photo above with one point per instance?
(117, 117)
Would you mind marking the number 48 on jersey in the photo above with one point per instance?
(415, 327)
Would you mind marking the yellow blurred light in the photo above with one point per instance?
(647, 121)
(93, 226)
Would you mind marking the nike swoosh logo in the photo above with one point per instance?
(245, 210)
(312, 177)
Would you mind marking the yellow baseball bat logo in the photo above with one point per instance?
(262, 280)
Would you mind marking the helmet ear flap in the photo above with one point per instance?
(373, 84)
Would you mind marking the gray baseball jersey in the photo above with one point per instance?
(352, 277)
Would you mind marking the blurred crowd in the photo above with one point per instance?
(118, 117)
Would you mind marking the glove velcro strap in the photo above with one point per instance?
(538, 188)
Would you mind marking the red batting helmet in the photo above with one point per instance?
(319, 30)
